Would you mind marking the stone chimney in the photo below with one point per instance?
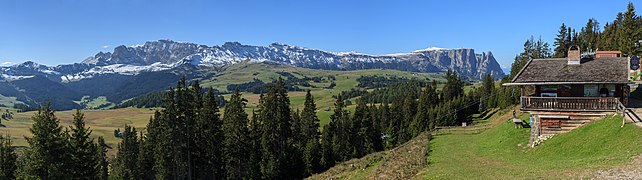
(573, 55)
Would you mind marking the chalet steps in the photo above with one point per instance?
(570, 120)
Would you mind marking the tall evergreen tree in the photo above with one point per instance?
(164, 165)
(589, 35)
(48, 156)
(327, 140)
(370, 131)
(309, 119)
(454, 86)
(103, 164)
(357, 129)
(208, 139)
(420, 121)
(340, 128)
(146, 147)
(488, 91)
(310, 132)
(629, 32)
(126, 161)
(83, 149)
(235, 132)
(561, 43)
(254, 137)
(312, 157)
(276, 138)
(409, 111)
(384, 114)
(8, 158)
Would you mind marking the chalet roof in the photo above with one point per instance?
(558, 71)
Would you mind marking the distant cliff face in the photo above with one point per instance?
(166, 54)
(133, 71)
(463, 61)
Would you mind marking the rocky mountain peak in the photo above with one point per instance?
(167, 54)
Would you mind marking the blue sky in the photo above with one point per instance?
(66, 31)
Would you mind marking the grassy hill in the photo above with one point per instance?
(401, 162)
(266, 72)
(499, 151)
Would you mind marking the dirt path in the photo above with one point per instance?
(632, 170)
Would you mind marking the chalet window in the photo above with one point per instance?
(549, 91)
(590, 90)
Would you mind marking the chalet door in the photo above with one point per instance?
(564, 91)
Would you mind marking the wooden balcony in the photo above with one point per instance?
(569, 103)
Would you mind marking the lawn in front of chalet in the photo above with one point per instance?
(501, 153)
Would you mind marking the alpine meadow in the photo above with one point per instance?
(208, 90)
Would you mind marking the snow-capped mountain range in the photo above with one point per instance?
(167, 54)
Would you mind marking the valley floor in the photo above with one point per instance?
(101, 123)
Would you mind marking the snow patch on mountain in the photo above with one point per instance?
(13, 78)
(166, 54)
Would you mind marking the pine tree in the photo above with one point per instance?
(254, 137)
(369, 135)
(384, 114)
(186, 115)
(163, 131)
(607, 39)
(103, 164)
(126, 161)
(628, 32)
(235, 132)
(208, 139)
(488, 90)
(357, 129)
(327, 153)
(83, 149)
(454, 86)
(297, 144)
(310, 133)
(146, 147)
(276, 137)
(339, 128)
(420, 121)
(375, 137)
(8, 158)
(561, 44)
(312, 157)
(589, 35)
(409, 110)
(48, 156)
(309, 119)
(298, 140)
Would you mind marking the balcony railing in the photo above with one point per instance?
(569, 103)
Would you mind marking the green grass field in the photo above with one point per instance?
(8, 101)
(102, 123)
(345, 80)
(501, 152)
(100, 102)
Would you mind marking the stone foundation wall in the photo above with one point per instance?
(535, 131)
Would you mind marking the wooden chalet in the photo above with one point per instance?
(564, 93)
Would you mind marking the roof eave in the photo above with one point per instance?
(559, 83)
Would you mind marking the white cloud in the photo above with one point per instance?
(106, 46)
